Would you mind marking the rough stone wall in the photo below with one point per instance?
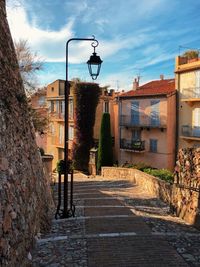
(153, 185)
(186, 189)
(24, 191)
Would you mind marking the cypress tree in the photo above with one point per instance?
(105, 157)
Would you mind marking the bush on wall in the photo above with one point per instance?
(86, 98)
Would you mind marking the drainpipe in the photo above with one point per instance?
(119, 127)
(177, 121)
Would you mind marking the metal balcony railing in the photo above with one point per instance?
(144, 121)
(189, 93)
(191, 131)
(132, 145)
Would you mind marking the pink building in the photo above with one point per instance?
(147, 127)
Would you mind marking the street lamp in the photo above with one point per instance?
(94, 66)
(94, 63)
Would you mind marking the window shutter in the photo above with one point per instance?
(135, 119)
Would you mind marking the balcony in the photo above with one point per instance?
(144, 122)
(191, 133)
(134, 146)
(190, 94)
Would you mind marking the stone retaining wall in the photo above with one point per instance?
(25, 195)
(153, 185)
(185, 194)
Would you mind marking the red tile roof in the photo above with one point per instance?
(158, 87)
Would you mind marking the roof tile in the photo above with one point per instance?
(158, 87)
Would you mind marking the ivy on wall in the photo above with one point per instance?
(86, 98)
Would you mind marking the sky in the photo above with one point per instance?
(136, 37)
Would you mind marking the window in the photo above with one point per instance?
(135, 116)
(52, 89)
(155, 116)
(61, 134)
(197, 78)
(71, 108)
(153, 145)
(52, 129)
(41, 101)
(49, 105)
(196, 122)
(106, 107)
(71, 132)
(60, 153)
(57, 106)
(62, 107)
(136, 135)
(61, 88)
(52, 106)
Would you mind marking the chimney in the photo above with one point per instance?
(135, 84)
(112, 91)
(161, 76)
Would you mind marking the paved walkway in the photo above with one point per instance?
(117, 224)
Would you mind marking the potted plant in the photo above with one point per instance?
(191, 55)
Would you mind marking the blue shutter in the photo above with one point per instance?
(155, 113)
(153, 145)
(135, 119)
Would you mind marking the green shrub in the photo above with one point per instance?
(60, 167)
(163, 174)
(141, 166)
(105, 157)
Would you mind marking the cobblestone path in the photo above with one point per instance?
(117, 224)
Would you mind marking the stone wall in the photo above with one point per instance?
(47, 163)
(152, 185)
(25, 193)
(186, 189)
(183, 196)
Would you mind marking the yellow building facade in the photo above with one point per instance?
(188, 86)
(56, 108)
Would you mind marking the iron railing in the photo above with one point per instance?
(138, 145)
(144, 121)
(191, 131)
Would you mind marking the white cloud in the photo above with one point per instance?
(49, 44)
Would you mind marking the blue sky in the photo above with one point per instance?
(135, 37)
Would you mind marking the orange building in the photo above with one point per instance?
(147, 126)
(187, 73)
(38, 102)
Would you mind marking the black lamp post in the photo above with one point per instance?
(94, 65)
